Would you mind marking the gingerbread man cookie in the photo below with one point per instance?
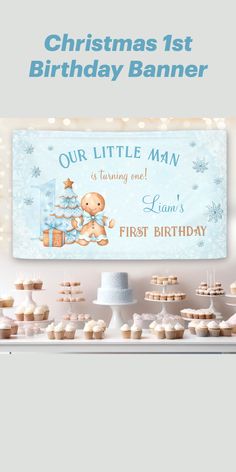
(94, 221)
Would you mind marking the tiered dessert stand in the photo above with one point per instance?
(116, 317)
(164, 303)
(212, 307)
(30, 301)
(71, 303)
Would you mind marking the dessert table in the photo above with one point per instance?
(113, 343)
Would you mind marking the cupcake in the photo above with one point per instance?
(39, 313)
(1, 302)
(136, 332)
(152, 326)
(28, 284)
(102, 325)
(19, 313)
(29, 314)
(69, 331)
(225, 328)
(46, 311)
(192, 326)
(88, 331)
(125, 331)
(14, 328)
(50, 331)
(159, 331)
(172, 279)
(5, 330)
(202, 329)
(59, 331)
(8, 301)
(179, 331)
(19, 284)
(233, 288)
(170, 331)
(98, 332)
(213, 328)
(38, 284)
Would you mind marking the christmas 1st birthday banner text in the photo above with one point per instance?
(64, 46)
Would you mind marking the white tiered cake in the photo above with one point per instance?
(114, 289)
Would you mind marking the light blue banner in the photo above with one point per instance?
(120, 195)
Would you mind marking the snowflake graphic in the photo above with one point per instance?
(192, 144)
(200, 243)
(215, 212)
(28, 201)
(48, 193)
(218, 180)
(200, 165)
(195, 187)
(35, 172)
(29, 149)
(50, 148)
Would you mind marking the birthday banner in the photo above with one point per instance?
(119, 195)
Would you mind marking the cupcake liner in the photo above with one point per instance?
(98, 335)
(202, 332)
(5, 333)
(136, 334)
(38, 286)
(179, 333)
(59, 335)
(28, 286)
(160, 334)
(19, 286)
(170, 334)
(46, 314)
(226, 331)
(20, 317)
(126, 334)
(88, 335)
(51, 335)
(8, 303)
(39, 317)
(29, 317)
(69, 334)
(14, 329)
(214, 332)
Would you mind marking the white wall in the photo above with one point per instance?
(190, 273)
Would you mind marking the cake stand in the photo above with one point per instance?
(230, 295)
(116, 318)
(164, 311)
(29, 296)
(212, 307)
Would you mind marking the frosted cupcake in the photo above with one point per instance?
(213, 328)
(39, 313)
(29, 314)
(125, 331)
(136, 332)
(69, 331)
(46, 311)
(102, 325)
(28, 284)
(8, 301)
(98, 332)
(152, 326)
(159, 331)
(50, 331)
(192, 326)
(5, 330)
(202, 329)
(170, 331)
(88, 331)
(225, 328)
(179, 331)
(38, 284)
(59, 331)
(19, 313)
(233, 288)
(19, 284)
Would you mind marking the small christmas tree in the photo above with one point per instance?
(67, 213)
